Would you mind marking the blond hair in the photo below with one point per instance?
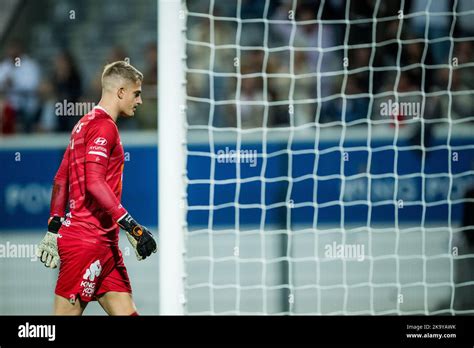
(120, 70)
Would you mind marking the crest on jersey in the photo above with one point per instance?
(100, 141)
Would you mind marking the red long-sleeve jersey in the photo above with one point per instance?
(89, 180)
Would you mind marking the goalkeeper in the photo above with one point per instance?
(89, 181)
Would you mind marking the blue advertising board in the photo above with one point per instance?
(330, 185)
(27, 175)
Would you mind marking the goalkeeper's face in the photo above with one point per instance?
(131, 97)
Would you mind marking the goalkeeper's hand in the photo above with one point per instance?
(139, 236)
(48, 248)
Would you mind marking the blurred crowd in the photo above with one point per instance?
(306, 63)
(44, 99)
(282, 63)
(52, 54)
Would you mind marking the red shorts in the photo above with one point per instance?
(88, 270)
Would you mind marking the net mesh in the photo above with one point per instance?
(330, 157)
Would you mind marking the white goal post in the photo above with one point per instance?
(171, 154)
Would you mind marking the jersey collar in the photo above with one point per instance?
(102, 109)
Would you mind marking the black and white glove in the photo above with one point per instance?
(139, 236)
(48, 248)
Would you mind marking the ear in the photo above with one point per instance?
(120, 93)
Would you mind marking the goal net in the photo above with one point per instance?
(330, 157)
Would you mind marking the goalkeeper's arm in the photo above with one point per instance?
(139, 236)
(48, 249)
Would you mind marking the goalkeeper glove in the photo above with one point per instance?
(139, 236)
(48, 248)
